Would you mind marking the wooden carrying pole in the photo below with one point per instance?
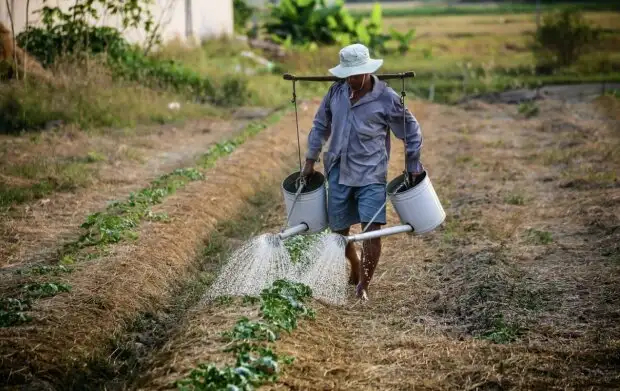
(384, 76)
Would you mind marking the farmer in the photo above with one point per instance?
(357, 114)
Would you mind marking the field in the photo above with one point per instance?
(114, 226)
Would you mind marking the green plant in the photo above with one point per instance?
(120, 217)
(255, 363)
(69, 34)
(241, 14)
(528, 109)
(12, 311)
(563, 37)
(501, 332)
(45, 269)
(539, 237)
(304, 22)
(404, 40)
(45, 289)
(515, 199)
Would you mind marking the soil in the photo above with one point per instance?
(518, 289)
(32, 232)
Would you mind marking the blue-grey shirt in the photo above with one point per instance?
(359, 134)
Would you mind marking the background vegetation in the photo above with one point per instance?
(463, 49)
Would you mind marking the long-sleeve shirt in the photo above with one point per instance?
(359, 134)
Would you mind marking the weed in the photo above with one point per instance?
(515, 199)
(12, 311)
(539, 237)
(502, 332)
(255, 364)
(529, 109)
(297, 245)
(45, 269)
(44, 289)
(120, 218)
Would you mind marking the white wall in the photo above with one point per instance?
(210, 18)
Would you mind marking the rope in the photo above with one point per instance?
(294, 101)
(300, 182)
(405, 183)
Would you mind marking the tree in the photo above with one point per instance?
(563, 37)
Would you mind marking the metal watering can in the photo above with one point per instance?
(416, 204)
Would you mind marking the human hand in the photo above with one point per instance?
(308, 169)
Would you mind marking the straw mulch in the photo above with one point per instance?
(138, 277)
(34, 231)
(488, 301)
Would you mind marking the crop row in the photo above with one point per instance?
(251, 342)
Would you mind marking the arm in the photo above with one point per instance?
(319, 134)
(411, 128)
(321, 129)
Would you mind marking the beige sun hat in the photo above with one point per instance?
(355, 60)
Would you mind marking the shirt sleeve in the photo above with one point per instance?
(411, 127)
(321, 127)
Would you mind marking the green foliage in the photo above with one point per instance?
(119, 219)
(255, 364)
(403, 39)
(301, 22)
(515, 199)
(563, 37)
(297, 245)
(45, 270)
(502, 332)
(529, 109)
(69, 34)
(242, 13)
(44, 289)
(17, 114)
(12, 311)
(539, 237)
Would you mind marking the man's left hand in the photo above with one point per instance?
(412, 176)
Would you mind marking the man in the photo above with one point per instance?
(357, 114)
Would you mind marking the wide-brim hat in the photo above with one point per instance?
(355, 60)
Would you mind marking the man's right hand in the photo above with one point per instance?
(308, 169)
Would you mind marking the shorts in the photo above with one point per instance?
(347, 206)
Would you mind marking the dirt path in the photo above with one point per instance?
(32, 232)
(517, 290)
(73, 334)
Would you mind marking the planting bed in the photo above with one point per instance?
(115, 281)
(517, 290)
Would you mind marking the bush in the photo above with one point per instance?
(69, 34)
(563, 37)
(242, 13)
(301, 22)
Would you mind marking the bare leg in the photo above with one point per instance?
(370, 257)
(354, 260)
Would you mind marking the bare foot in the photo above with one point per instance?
(361, 292)
(353, 278)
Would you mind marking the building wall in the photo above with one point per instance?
(209, 18)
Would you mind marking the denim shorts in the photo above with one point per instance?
(347, 206)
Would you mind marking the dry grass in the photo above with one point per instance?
(477, 304)
(108, 165)
(87, 96)
(505, 25)
(139, 276)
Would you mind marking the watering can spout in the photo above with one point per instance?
(295, 230)
(399, 229)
